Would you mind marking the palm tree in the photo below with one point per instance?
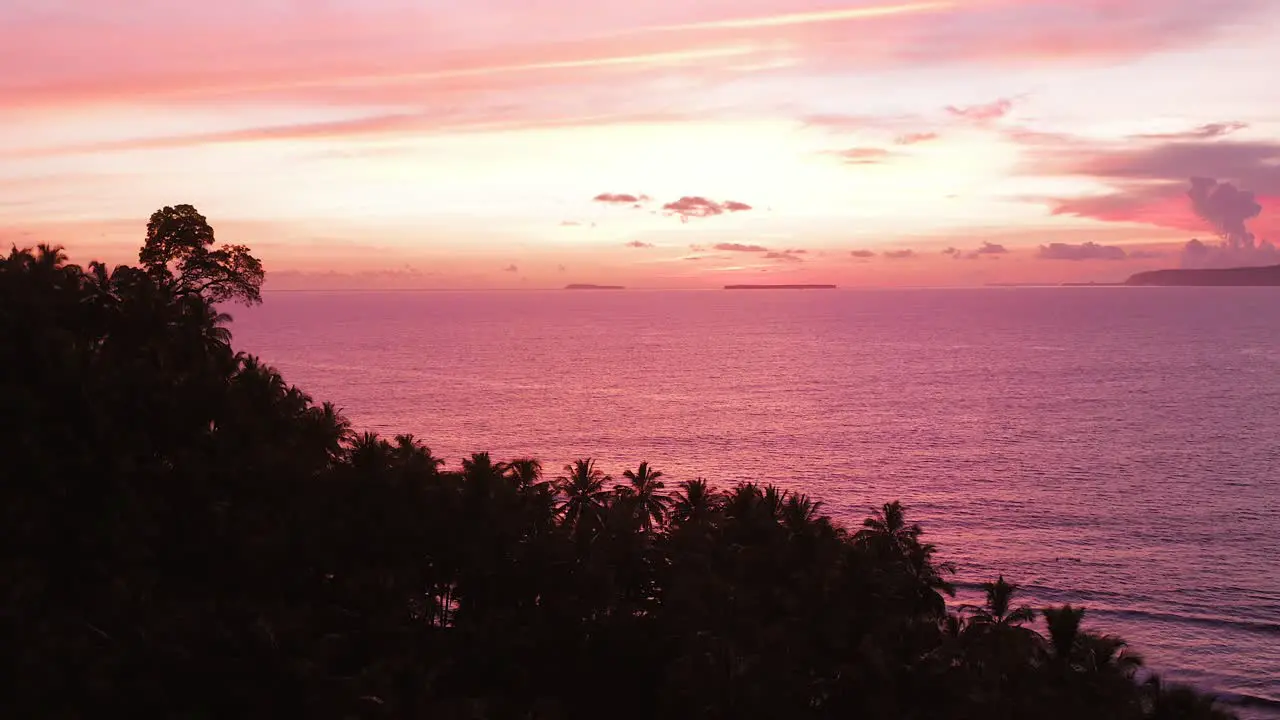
(773, 498)
(694, 503)
(799, 513)
(526, 473)
(998, 610)
(370, 452)
(582, 487)
(1107, 654)
(1064, 630)
(482, 474)
(1178, 702)
(643, 491)
(888, 524)
(414, 455)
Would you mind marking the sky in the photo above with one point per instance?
(534, 143)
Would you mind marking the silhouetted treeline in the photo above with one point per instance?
(187, 536)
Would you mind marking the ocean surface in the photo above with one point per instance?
(1117, 448)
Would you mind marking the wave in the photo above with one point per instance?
(1214, 621)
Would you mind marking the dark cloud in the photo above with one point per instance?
(696, 206)
(983, 113)
(900, 254)
(951, 251)
(1204, 132)
(862, 253)
(639, 244)
(916, 138)
(617, 198)
(1083, 251)
(739, 247)
(1255, 165)
(1148, 182)
(1227, 211)
(511, 268)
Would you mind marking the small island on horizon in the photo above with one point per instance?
(1266, 276)
(589, 286)
(779, 287)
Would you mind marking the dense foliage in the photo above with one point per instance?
(186, 535)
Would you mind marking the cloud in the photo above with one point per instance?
(616, 198)
(863, 155)
(639, 244)
(951, 251)
(900, 254)
(1227, 211)
(1083, 251)
(786, 255)
(394, 53)
(511, 268)
(1199, 254)
(699, 207)
(916, 138)
(989, 112)
(1204, 132)
(739, 247)
(1148, 183)
(570, 223)
(862, 253)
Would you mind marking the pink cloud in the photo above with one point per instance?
(699, 207)
(1149, 181)
(916, 138)
(863, 155)
(983, 113)
(386, 52)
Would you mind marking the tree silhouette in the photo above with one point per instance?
(179, 247)
(584, 495)
(185, 534)
(644, 492)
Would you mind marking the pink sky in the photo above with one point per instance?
(399, 143)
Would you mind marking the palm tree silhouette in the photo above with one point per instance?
(888, 525)
(998, 610)
(584, 494)
(526, 473)
(643, 492)
(1178, 702)
(693, 503)
(800, 514)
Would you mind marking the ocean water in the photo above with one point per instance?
(1117, 448)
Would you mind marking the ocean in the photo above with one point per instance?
(1111, 447)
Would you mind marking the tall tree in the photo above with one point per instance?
(644, 491)
(179, 248)
(584, 495)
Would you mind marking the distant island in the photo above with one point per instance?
(1268, 276)
(588, 286)
(779, 287)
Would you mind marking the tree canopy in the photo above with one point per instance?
(179, 247)
(185, 535)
